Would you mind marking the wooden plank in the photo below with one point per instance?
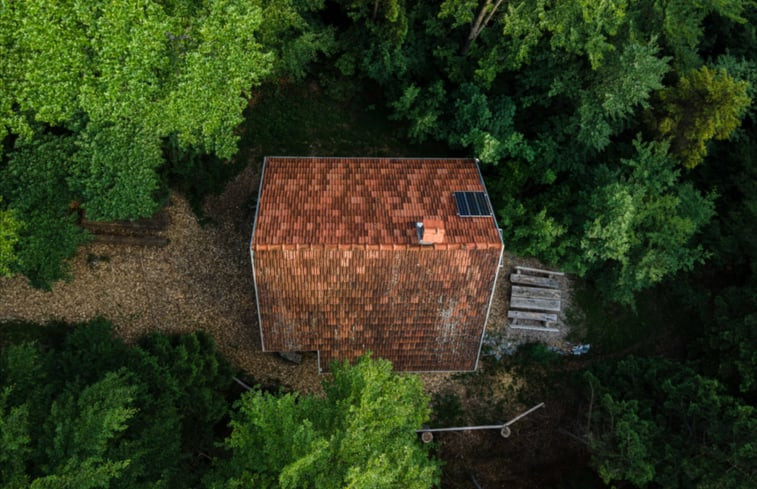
(519, 278)
(536, 316)
(535, 328)
(535, 292)
(537, 304)
(539, 270)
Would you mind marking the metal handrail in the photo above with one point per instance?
(503, 427)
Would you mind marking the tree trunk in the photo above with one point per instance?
(482, 19)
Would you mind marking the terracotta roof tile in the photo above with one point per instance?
(366, 201)
(357, 278)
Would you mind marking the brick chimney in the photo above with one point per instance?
(430, 231)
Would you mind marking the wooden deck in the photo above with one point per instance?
(535, 300)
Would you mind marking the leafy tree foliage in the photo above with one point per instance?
(632, 205)
(705, 104)
(362, 434)
(104, 175)
(131, 75)
(660, 422)
(9, 229)
(551, 94)
(723, 293)
(295, 36)
(93, 412)
(731, 340)
(385, 20)
(140, 64)
(114, 81)
(34, 181)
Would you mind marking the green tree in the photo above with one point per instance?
(732, 336)
(705, 104)
(681, 24)
(624, 225)
(551, 95)
(34, 182)
(486, 125)
(15, 439)
(660, 422)
(723, 292)
(478, 15)
(90, 411)
(102, 171)
(639, 223)
(72, 437)
(362, 434)
(133, 74)
(77, 432)
(379, 54)
(294, 35)
(614, 92)
(9, 229)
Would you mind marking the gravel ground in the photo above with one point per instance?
(200, 281)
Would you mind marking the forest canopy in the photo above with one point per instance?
(617, 140)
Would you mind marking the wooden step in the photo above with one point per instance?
(551, 273)
(519, 278)
(535, 292)
(535, 328)
(534, 316)
(535, 304)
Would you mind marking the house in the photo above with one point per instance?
(398, 256)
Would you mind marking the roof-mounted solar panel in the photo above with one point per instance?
(462, 204)
(472, 204)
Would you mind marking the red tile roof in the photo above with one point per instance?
(373, 202)
(339, 268)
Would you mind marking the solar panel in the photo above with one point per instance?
(483, 207)
(462, 204)
(472, 204)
